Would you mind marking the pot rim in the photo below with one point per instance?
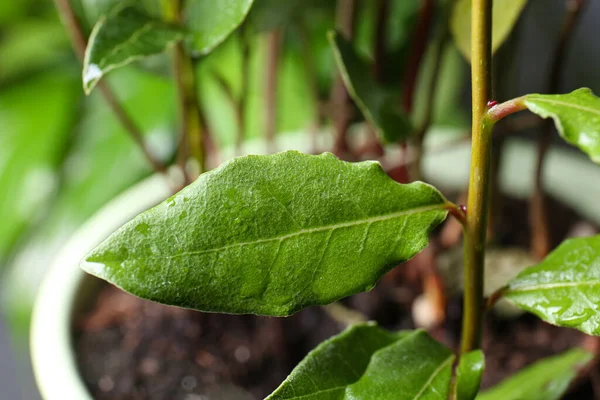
(66, 285)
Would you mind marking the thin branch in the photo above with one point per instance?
(192, 139)
(340, 100)
(419, 45)
(79, 42)
(271, 80)
(243, 100)
(540, 236)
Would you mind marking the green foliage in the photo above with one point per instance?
(31, 149)
(504, 17)
(212, 21)
(545, 380)
(468, 375)
(125, 35)
(367, 362)
(271, 235)
(379, 106)
(576, 115)
(563, 289)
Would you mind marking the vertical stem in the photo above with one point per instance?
(475, 235)
(540, 238)
(273, 56)
(79, 42)
(311, 75)
(192, 143)
(340, 99)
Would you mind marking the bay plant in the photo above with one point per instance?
(273, 234)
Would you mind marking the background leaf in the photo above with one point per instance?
(212, 21)
(468, 375)
(31, 149)
(545, 380)
(505, 15)
(564, 289)
(125, 35)
(366, 362)
(576, 115)
(380, 107)
(271, 235)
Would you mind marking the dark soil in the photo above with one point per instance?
(134, 349)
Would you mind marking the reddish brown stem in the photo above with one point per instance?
(340, 99)
(273, 56)
(79, 42)
(540, 238)
(419, 45)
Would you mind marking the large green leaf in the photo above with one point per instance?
(125, 35)
(270, 235)
(379, 106)
(576, 115)
(468, 375)
(564, 289)
(212, 21)
(367, 362)
(545, 380)
(504, 17)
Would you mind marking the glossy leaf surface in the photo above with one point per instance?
(505, 15)
(271, 235)
(468, 375)
(545, 380)
(576, 115)
(380, 107)
(367, 362)
(125, 35)
(564, 289)
(212, 21)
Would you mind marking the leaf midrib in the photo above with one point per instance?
(549, 286)
(565, 104)
(324, 228)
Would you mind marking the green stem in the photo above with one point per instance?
(475, 233)
(192, 143)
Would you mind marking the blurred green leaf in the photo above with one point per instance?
(212, 21)
(123, 36)
(576, 116)
(231, 241)
(505, 15)
(267, 15)
(468, 375)
(102, 162)
(564, 288)
(547, 379)
(379, 106)
(30, 46)
(35, 122)
(367, 362)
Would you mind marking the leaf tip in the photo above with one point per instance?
(91, 75)
(93, 267)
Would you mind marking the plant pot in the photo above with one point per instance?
(67, 290)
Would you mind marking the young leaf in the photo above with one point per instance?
(125, 35)
(564, 289)
(271, 235)
(545, 380)
(576, 115)
(212, 21)
(505, 14)
(468, 375)
(367, 362)
(380, 107)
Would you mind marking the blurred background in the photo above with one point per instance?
(63, 155)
